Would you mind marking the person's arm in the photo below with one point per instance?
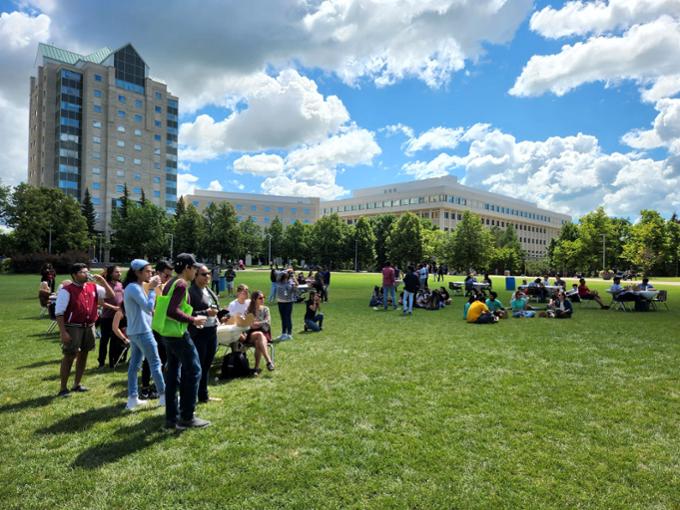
(63, 298)
(174, 311)
(116, 327)
(101, 281)
(146, 303)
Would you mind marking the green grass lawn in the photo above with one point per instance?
(377, 411)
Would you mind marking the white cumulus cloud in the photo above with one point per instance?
(260, 164)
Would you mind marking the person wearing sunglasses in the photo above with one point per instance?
(259, 334)
(206, 303)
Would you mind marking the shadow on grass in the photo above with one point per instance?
(83, 421)
(39, 364)
(133, 438)
(26, 404)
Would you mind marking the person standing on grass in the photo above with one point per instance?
(181, 351)
(205, 302)
(215, 279)
(76, 312)
(111, 306)
(230, 276)
(138, 310)
(285, 297)
(423, 274)
(411, 283)
(326, 282)
(388, 281)
(274, 277)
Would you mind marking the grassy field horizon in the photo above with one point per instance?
(376, 411)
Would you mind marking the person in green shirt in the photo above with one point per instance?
(495, 306)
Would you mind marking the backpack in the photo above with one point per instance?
(234, 365)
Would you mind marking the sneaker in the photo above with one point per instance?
(170, 425)
(305, 330)
(161, 400)
(270, 367)
(64, 393)
(280, 338)
(134, 402)
(289, 337)
(80, 389)
(194, 423)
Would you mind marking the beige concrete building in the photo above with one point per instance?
(262, 208)
(443, 200)
(98, 122)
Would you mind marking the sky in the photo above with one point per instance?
(569, 105)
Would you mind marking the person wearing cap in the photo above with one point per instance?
(138, 310)
(181, 351)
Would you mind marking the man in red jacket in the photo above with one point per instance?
(76, 312)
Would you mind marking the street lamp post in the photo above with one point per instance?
(356, 255)
(49, 242)
(269, 238)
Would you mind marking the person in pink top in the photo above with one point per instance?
(389, 285)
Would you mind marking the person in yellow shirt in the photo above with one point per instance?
(479, 313)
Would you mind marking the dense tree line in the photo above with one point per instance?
(40, 217)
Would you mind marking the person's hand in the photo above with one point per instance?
(212, 312)
(126, 341)
(154, 282)
(99, 279)
(199, 321)
(65, 337)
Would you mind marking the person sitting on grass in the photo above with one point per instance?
(466, 306)
(259, 333)
(479, 313)
(559, 307)
(572, 294)
(519, 306)
(585, 294)
(495, 306)
(376, 297)
(445, 296)
(313, 315)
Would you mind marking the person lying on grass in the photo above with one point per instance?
(479, 313)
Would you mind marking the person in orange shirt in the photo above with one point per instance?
(479, 313)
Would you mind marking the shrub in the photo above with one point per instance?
(5, 265)
(33, 262)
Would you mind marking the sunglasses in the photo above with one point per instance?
(204, 274)
(260, 297)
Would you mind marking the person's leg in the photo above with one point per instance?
(149, 349)
(171, 380)
(393, 291)
(105, 328)
(385, 291)
(411, 298)
(261, 345)
(272, 293)
(146, 375)
(161, 350)
(289, 318)
(319, 319)
(87, 344)
(81, 364)
(190, 377)
(312, 325)
(136, 357)
(281, 307)
(65, 370)
(199, 342)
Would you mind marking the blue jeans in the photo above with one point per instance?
(144, 346)
(205, 340)
(408, 301)
(182, 359)
(272, 293)
(312, 324)
(286, 312)
(389, 290)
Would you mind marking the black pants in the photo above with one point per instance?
(215, 286)
(146, 371)
(286, 312)
(109, 341)
(205, 340)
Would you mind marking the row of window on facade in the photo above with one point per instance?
(266, 208)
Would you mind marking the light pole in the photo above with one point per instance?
(49, 242)
(172, 244)
(269, 238)
(356, 255)
(604, 268)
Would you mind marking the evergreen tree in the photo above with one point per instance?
(142, 234)
(87, 208)
(180, 208)
(224, 237)
(190, 232)
(142, 199)
(124, 202)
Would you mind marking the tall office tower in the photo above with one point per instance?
(98, 122)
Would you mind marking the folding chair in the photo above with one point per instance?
(457, 288)
(617, 304)
(661, 297)
(122, 354)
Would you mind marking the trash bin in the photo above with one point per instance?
(223, 284)
(509, 283)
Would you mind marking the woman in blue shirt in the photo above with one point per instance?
(138, 310)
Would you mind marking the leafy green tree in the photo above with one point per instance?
(5, 193)
(250, 237)
(142, 198)
(124, 202)
(567, 256)
(471, 244)
(294, 242)
(190, 232)
(405, 242)
(672, 250)
(382, 226)
(591, 228)
(619, 236)
(34, 212)
(142, 234)
(274, 234)
(434, 242)
(225, 236)
(645, 248)
(363, 243)
(87, 208)
(180, 208)
(329, 238)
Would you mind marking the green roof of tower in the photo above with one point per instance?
(70, 57)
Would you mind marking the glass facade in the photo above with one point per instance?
(69, 132)
(170, 158)
(129, 70)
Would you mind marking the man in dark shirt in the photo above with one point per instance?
(181, 351)
(411, 284)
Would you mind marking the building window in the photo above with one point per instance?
(120, 173)
(121, 129)
(193, 202)
(120, 143)
(121, 114)
(157, 138)
(122, 99)
(138, 118)
(239, 207)
(97, 108)
(96, 170)
(157, 123)
(293, 210)
(138, 103)
(159, 96)
(138, 132)
(254, 218)
(120, 188)
(96, 201)
(279, 210)
(138, 147)
(156, 194)
(157, 166)
(97, 93)
(266, 219)
(97, 77)
(96, 139)
(253, 208)
(306, 211)
(96, 185)
(157, 151)
(120, 159)
(137, 161)
(158, 109)
(267, 209)
(156, 179)
(96, 155)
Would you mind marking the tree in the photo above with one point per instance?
(405, 242)
(508, 254)
(142, 234)
(190, 232)
(142, 198)
(5, 193)
(124, 202)
(433, 244)
(382, 226)
(294, 242)
(250, 238)
(329, 238)
(591, 228)
(180, 208)
(363, 243)
(471, 244)
(87, 208)
(672, 249)
(645, 248)
(274, 235)
(35, 212)
(222, 232)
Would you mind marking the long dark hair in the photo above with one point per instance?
(108, 273)
(253, 301)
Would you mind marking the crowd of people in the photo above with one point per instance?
(168, 324)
